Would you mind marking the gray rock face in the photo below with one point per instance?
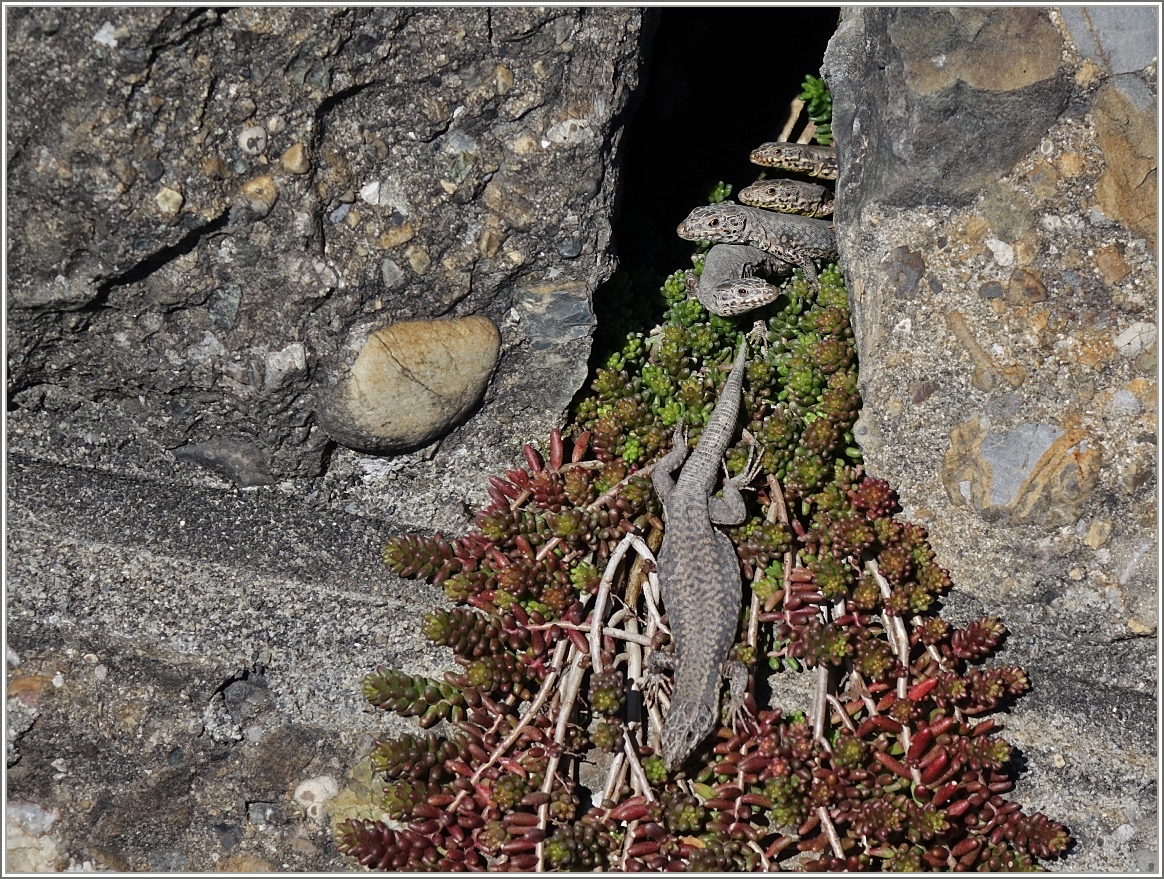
(208, 206)
(213, 200)
(952, 96)
(1003, 298)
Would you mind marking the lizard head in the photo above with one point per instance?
(778, 154)
(776, 194)
(714, 222)
(688, 724)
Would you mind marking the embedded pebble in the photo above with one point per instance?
(390, 272)
(370, 192)
(418, 259)
(253, 140)
(283, 366)
(315, 793)
(106, 35)
(261, 194)
(29, 845)
(1003, 252)
(1135, 338)
(169, 201)
(411, 383)
(214, 168)
(396, 235)
(295, 160)
(490, 242)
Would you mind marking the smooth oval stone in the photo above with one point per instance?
(411, 383)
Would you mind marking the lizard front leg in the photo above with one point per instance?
(660, 666)
(661, 477)
(736, 674)
(804, 263)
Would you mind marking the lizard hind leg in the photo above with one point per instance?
(751, 469)
(755, 463)
(737, 705)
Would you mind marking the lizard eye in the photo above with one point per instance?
(713, 222)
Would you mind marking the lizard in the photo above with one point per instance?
(728, 284)
(794, 239)
(699, 574)
(789, 197)
(813, 159)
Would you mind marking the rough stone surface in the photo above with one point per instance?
(204, 188)
(410, 382)
(192, 658)
(195, 581)
(1121, 38)
(950, 82)
(1007, 332)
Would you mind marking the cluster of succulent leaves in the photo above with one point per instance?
(902, 772)
(818, 103)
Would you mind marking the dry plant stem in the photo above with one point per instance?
(830, 831)
(820, 693)
(598, 502)
(765, 864)
(942, 664)
(630, 625)
(568, 693)
(530, 714)
(627, 841)
(753, 636)
(543, 822)
(917, 622)
(549, 547)
(614, 777)
(638, 776)
(581, 465)
(604, 585)
(900, 644)
(840, 709)
(866, 696)
(781, 508)
(571, 684)
(771, 515)
(651, 587)
(613, 490)
(899, 640)
(656, 724)
(795, 108)
(586, 628)
(517, 502)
